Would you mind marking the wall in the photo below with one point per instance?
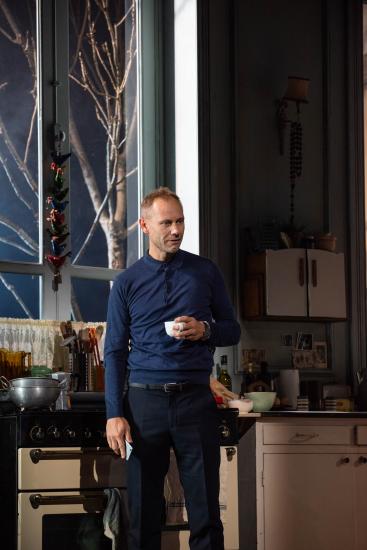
(248, 49)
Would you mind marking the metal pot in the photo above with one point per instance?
(29, 395)
(30, 382)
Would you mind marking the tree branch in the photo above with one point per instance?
(26, 202)
(23, 235)
(19, 162)
(10, 242)
(96, 219)
(19, 300)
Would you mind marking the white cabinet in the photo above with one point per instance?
(295, 283)
(310, 488)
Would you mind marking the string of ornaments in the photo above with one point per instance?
(57, 228)
(295, 162)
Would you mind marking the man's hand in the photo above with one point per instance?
(117, 430)
(193, 329)
(221, 391)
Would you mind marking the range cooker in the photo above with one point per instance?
(56, 471)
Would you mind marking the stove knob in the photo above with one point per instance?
(70, 433)
(225, 432)
(37, 433)
(53, 432)
(87, 434)
(102, 435)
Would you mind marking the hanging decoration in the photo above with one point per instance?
(55, 204)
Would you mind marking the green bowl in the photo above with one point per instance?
(262, 400)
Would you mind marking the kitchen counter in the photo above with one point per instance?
(305, 414)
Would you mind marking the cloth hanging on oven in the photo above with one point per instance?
(114, 519)
(174, 494)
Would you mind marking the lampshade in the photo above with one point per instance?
(297, 89)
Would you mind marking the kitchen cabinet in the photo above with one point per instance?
(295, 283)
(311, 485)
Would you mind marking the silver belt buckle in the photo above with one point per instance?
(170, 387)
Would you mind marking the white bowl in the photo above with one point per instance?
(263, 400)
(243, 405)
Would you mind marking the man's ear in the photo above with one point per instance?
(143, 226)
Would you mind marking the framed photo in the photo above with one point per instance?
(320, 355)
(253, 356)
(304, 341)
(302, 359)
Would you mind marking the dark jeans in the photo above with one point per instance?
(188, 422)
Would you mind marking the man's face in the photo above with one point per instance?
(164, 223)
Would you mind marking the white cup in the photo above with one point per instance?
(168, 325)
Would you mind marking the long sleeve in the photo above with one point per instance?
(225, 329)
(116, 350)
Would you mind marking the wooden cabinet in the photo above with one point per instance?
(295, 283)
(311, 485)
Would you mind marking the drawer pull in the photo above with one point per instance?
(362, 460)
(345, 460)
(304, 436)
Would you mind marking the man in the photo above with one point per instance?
(168, 403)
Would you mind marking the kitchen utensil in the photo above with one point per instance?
(29, 382)
(35, 395)
(63, 400)
(262, 400)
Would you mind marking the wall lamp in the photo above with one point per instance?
(297, 91)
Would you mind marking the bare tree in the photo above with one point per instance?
(102, 65)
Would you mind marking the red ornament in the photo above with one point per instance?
(57, 261)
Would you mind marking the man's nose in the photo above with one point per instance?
(174, 229)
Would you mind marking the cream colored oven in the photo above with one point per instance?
(62, 499)
(66, 475)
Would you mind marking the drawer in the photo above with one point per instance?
(307, 435)
(361, 435)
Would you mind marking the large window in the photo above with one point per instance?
(104, 80)
(84, 91)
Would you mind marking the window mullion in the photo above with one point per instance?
(54, 116)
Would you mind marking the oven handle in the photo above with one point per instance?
(38, 454)
(38, 500)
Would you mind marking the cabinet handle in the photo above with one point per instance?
(304, 436)
(314, 272)
(301, 272)
(345, 460)
(362, 460)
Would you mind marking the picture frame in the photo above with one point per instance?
(304, 341)
(320, 355)
(302, 359)
(255, 356)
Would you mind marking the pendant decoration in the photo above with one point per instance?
(57, 228)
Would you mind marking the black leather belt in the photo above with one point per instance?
(170, 387)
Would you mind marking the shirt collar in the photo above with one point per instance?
(174, 263)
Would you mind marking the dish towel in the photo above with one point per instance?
(174, 494)
(114, 526)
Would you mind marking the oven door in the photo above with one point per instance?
(59, 520)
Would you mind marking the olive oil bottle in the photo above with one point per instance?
(224, 376)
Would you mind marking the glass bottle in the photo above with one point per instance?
(224, 377)
(248, 378)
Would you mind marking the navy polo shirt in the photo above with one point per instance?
(142, 298)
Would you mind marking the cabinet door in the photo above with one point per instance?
(326, 288)
(308, 502)
(286, 293)
(360, 485)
